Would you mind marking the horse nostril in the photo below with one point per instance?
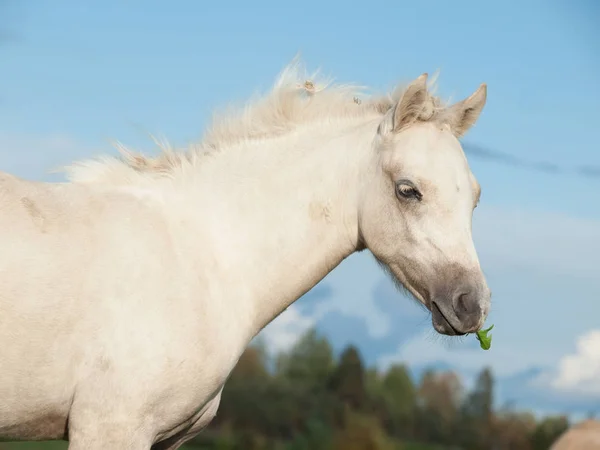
(461, 306)
(466, 306)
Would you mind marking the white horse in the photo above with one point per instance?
(584, 436)
(128, 294)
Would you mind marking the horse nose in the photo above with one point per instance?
(467, 308)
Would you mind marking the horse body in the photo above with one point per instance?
(79, 311)
(132, 295)
(128, 294)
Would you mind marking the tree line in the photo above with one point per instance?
(306, 398)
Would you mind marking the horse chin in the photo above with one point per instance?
(441, 324)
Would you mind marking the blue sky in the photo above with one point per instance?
(73, 77)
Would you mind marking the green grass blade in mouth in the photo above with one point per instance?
(485, 341)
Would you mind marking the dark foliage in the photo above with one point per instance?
(310, 400)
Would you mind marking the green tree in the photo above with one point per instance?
(302, 373)
(513, 431)
(438, 399)
(393, 399)
(361, 432)
(400, 394)
(309, 362)
(252, 365)
(317, 436)
(547, 432)
(476, 428)
(348, 382)
(242, 402)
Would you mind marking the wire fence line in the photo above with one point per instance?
(588, 171)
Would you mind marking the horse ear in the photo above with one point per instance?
(409, 108)
(463, 115)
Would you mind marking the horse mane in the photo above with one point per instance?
(296, 99)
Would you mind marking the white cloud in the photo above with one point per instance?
(578, 373)
(281, 334)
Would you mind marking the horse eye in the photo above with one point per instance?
(406, 190)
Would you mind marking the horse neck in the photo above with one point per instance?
(284, 215)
